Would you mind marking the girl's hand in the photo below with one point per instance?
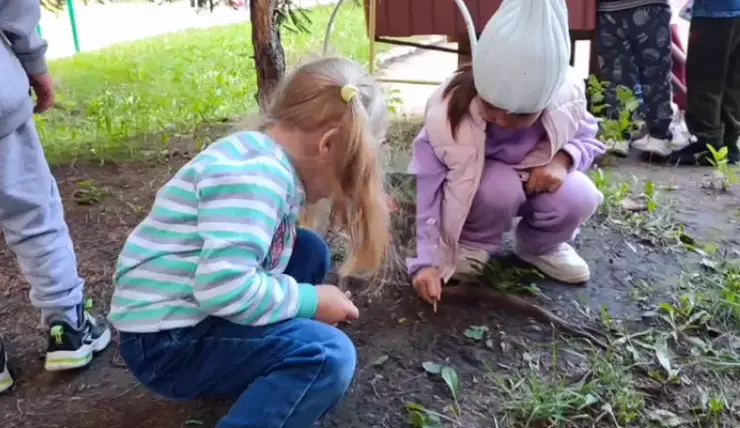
(428, 284)
(550, 177)
(334, 306)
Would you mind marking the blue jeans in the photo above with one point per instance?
(287, 374)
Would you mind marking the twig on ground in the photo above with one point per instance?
(512, 303)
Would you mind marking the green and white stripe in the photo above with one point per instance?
(201, 249)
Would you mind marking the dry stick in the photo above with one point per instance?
(519, 305)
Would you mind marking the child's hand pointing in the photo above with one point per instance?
(428, 284)
(550, 177)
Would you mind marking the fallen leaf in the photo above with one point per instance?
(709, 264)
(476, 332)
(431, 367)
(667, 418)
(632, 205)
(453, 383)
(381, 360)
(590, 400)
(664, 358)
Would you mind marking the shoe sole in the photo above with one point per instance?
(6, 381)
(70, 360)
(618, 151)
(571, 280)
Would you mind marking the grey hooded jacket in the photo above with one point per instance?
(21, 55)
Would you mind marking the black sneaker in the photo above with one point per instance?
(6, 381)
(72, 347)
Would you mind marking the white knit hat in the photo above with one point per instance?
(522, 56)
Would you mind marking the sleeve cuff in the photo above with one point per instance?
(308, 301)
(35, 66)
(575, 156)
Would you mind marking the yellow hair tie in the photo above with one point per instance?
(349, 92)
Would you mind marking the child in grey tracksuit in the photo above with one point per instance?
(31, 214)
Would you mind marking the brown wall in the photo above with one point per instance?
(431, 17)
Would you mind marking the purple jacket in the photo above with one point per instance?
(431, 173)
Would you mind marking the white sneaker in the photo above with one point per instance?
(621, 147)
(563, 264)
(5, 380)
(469, 261)
(650, 144)
(663, 147)
(681, 135)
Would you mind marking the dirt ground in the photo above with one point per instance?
(396, 334)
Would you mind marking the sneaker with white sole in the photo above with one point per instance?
(562, 264)
(680, 137)
(619, 148)
(6, 381)
(71, 347)
(658, 146)
(469, 261)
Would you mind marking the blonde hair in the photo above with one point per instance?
(313, 98)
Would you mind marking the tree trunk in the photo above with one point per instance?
(269, 57)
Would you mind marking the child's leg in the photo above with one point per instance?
(615, 57)
(499, 196)
(284, 375)
(32, 220)
(707, 65)
(550, 220)
(651, 37)
(731, 98)
(311, 258)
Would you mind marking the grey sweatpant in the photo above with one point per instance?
(32, 220)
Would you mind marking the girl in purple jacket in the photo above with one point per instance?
(506, 139)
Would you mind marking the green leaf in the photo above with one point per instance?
(663, 356)
(432, 367)
(453, 383)
(193, 422)
(631, 105)
(476, 332)
(416, 419)
(410, 405)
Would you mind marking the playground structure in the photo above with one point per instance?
(72, 25)
(388, 20)
(75, 26)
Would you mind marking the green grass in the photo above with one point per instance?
(115, 102)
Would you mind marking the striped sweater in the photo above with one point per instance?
(216, 243)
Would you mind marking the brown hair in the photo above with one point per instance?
(461, 92)
(310, 99)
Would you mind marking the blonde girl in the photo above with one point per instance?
(218, 293)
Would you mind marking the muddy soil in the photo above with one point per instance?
(394, 336)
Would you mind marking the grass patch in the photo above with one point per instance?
(116, 101)
(639, 209)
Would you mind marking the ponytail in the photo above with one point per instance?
(461, 92)
(359, 201)
(316, 97)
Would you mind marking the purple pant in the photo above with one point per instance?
(548, 219)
